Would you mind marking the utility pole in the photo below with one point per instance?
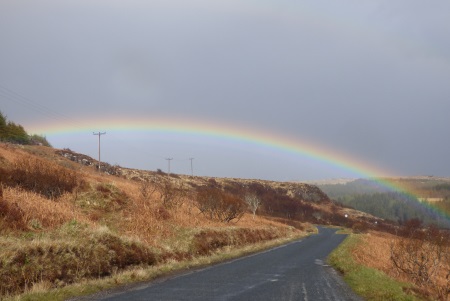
(99, 134)
(192, 168)
(168, 160)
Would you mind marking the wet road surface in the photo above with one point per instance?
(296, 271)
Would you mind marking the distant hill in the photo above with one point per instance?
(374, 198)
(353, 187)
(330, 181)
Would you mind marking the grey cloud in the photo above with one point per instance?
(366, 78)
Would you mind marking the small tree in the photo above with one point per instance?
(16, 133)
(253, 203)
(3, 123)
(39, 140)
(147, 188)
(213, 203)
(231, 207)
(207, 201)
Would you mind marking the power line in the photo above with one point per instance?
(15, 97)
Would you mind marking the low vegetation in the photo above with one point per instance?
(367, 282)
(41, 176)
(422, 255)
(63, 223)
(72, 253)
(413, 263)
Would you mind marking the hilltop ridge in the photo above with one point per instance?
(306, 192)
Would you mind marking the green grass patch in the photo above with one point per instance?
(369, 283)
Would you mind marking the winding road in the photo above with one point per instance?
(296, 271)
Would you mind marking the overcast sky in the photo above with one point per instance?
(369, 79)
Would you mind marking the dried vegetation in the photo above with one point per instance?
(63, 222)
(416, 255)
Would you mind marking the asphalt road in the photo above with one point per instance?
(296, 271)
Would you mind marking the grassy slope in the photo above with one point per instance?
(111, 213)
(103, 233)
(370, 283)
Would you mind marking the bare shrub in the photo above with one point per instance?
(207, 200)
(172, 193)
(231, 208)
(423, 256)
(147, 188)
(216, 204)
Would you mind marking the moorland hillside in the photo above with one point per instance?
(64, 220)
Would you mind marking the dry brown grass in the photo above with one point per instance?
(374, 252)
(37, 212)
(8, 152)
(59, 260)
(150, 221)
(41, 235)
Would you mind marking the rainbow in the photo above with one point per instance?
(234, 134)
(222, 131)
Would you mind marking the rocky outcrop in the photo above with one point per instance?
(88, 161)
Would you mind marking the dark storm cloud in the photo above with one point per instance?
(366, 78)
